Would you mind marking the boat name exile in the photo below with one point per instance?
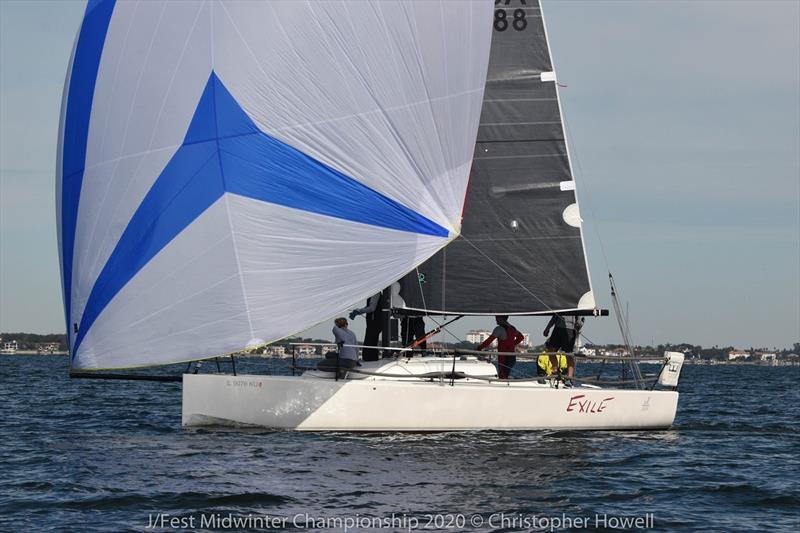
(586, 406)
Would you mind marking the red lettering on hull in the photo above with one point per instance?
(587, 406)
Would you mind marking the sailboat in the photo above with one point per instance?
(230, 174)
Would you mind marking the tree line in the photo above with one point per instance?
(28, 341)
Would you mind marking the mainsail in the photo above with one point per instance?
(235, 172)
(521, 248)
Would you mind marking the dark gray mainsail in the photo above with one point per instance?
(521, 248)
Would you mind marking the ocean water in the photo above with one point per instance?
(86, 455)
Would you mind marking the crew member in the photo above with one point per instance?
(507, 339)
(347, 355)
(565, 332)
(413, 329)
(550, 364)
(373, 311)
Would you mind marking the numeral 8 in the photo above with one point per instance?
(500, 21)
(519, 22)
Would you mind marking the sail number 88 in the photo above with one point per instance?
(501, 20)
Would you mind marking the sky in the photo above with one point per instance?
(684, 122)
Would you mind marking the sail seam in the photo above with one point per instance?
(377, 110)
(132, 155)
(495, 141)
(493, 100)
(197, 326)
(450, 312)
(142, 291)
(112, 92)
(520, 123)
(228, 214)
(428, 100)
(518, 156)
(451, 163)
(176, 302)
(527, 238)
(128, 121)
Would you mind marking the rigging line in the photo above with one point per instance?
(424, 304)
(587, 339)
(511, 277)
(425, 307)
(504, 271)
(614, 292)
(443, 327)
(421, 292)
(623, 327)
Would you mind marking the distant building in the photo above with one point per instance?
(768, 356)
(477, 336)
(526, 341)
(737, 354)
(304, 350)
(275, 351)
(45, 348)
(587, 351)
(9, 347)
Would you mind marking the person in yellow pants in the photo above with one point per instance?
(549, 364)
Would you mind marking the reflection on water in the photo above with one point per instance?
(73, 448)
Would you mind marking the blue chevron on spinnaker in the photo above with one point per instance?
(216, 157)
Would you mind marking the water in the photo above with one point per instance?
(109, 455)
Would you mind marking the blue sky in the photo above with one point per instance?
(685, 122)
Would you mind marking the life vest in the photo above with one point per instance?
(547, 366)
(508, 345)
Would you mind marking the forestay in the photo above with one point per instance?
(521, 249)
(235, 172)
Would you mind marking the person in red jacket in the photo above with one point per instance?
(507, 339)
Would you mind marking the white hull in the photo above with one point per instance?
(377, 404)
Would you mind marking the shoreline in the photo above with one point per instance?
(34, 353)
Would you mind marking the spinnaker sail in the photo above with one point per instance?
(521, 248)
(235, 172)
